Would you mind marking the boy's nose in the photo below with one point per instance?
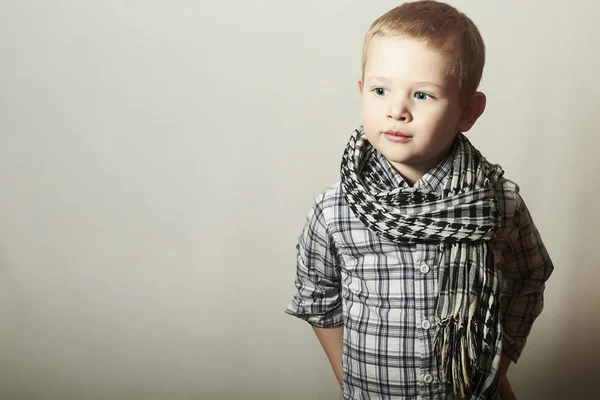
(399, 112)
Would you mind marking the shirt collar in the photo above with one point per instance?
(432, 180)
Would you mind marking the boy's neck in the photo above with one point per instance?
(412, 173)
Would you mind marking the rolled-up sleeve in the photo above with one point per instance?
(525, 268)
(318, 280)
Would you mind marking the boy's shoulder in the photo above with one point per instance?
(331, 192)
(331, 196)
(510, 204)
(328, 205)
(507, 189)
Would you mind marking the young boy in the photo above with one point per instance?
(421, 271)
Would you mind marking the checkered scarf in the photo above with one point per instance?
(463, 218)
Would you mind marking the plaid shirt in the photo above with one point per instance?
(384, 294)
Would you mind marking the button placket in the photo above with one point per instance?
(425, 281)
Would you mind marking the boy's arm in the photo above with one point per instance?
(505, 362)
(318, 299)
(332, 341)
(525, 268)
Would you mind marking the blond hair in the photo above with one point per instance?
(443, 28)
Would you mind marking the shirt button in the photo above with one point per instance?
(428, 378)
(425, 324)
(425, 268)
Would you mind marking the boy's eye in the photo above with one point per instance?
(422, 96)
(380, 91)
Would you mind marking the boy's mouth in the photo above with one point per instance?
(397, 136)
(398, 133)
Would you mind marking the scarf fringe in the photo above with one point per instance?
(456, 356)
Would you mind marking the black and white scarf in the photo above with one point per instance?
(463, 217)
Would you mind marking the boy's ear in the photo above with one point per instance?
(360, 86)
(472, 110)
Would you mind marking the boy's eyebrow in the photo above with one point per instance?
(429, 83)
(378, 78)
(383, 79)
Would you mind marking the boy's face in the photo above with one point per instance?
(410, 107)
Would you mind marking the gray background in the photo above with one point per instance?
(158, 159)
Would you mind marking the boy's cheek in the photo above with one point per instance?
(373, 111)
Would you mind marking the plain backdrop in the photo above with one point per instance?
(158, 160)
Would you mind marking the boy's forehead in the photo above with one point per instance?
(405, 58)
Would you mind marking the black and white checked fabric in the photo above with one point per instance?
(464, 211)
(464, 214)
(385, 293)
